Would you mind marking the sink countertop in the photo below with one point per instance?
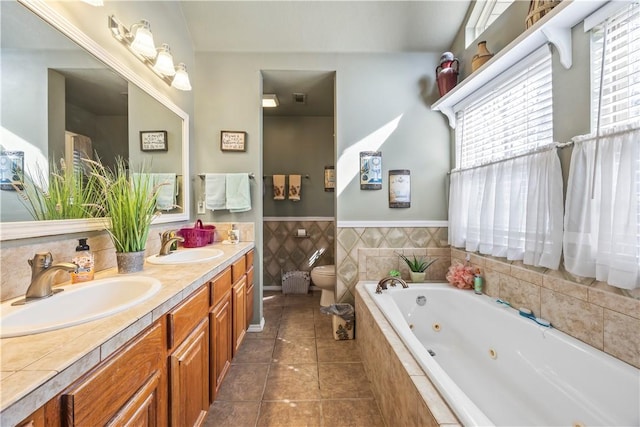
(35, 368)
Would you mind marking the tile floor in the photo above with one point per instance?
(294, 373)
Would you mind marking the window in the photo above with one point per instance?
(620, 103)
(483, 15)
(506, 193)
(602, 222)
(513, 119)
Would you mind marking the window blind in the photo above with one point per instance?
(513, 118)
(620, 103)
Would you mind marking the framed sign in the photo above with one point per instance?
(371, 170)
(400, 188)
(233, 140)
(153, 140)
(329, 178)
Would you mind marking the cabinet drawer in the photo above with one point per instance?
(95, 399)
(220, 286)
(238, 269)
(184, 318)
(249, 258)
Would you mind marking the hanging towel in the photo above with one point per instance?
(215, 191)
(238, 194)
(166, 185)
(144, 180)
(278, 187)
(294, 187)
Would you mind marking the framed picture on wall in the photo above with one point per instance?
(153, 140)
(233, 140)
(371, 170)
(400, 188)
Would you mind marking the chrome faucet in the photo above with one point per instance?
(392, 281)
(42, 270)
(166, 240)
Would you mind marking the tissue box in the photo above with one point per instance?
(342, 329)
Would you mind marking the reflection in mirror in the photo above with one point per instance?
(60, 102)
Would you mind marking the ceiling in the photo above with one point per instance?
(319, 27)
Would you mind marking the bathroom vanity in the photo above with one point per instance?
(160, 362)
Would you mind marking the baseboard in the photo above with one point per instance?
(256, 328)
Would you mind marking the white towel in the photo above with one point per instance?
(294, 187)
(238, 193)
(215, 191)
(278, 187)
(166, 185)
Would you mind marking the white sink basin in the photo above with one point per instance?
(78, 303)
(185, 256)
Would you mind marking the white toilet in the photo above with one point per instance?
(324, 277)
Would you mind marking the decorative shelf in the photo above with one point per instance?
(555, 27)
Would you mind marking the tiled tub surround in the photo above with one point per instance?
(35, 368)
(405, 395)
(374, 248)
(600, 315)
(284, 251)
(16, 273)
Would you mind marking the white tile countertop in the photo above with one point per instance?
(35, 368)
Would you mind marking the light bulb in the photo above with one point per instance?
(143, 39)
(181, 79)
(164, 61)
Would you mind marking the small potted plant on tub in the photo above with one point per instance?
(417, 266)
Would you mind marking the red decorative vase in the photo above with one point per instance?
(447, 73)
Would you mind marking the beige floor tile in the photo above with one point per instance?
(324, 330)
(299, 350)
(297, 330)
(244, 382)
(343, 380)
(270, 331)
(292, 382)
(273, 299)
(306, 300)
(351, 413)
(290, 414)
(255, 351)
(330, 350)
(232, 414)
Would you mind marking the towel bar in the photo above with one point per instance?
(251, 175)
(269, 176)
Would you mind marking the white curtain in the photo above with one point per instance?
(602, 234)
(510, 209)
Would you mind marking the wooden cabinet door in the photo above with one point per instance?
(239, 309)
(249, 298)
(122, 385)
(221, 343)
(143, 409)
(189, 379)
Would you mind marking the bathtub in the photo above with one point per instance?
(495, 367)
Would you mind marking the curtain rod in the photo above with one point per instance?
(530, 153)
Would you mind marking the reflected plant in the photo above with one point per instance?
(67, 193)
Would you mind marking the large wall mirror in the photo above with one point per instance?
(65, 97)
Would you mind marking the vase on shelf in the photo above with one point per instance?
(481, 56)
(447, 73)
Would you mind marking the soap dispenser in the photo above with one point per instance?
(84, 261)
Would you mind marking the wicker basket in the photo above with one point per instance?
(296, 282)
(539, 8)
(197, 236)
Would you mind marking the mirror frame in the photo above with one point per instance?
(27, 229)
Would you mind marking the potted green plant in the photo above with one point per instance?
(417, 267)
(129, 202)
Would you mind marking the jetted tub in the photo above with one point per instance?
(495, 367)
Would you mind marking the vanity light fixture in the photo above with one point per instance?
(139, 41)
(270, 100)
